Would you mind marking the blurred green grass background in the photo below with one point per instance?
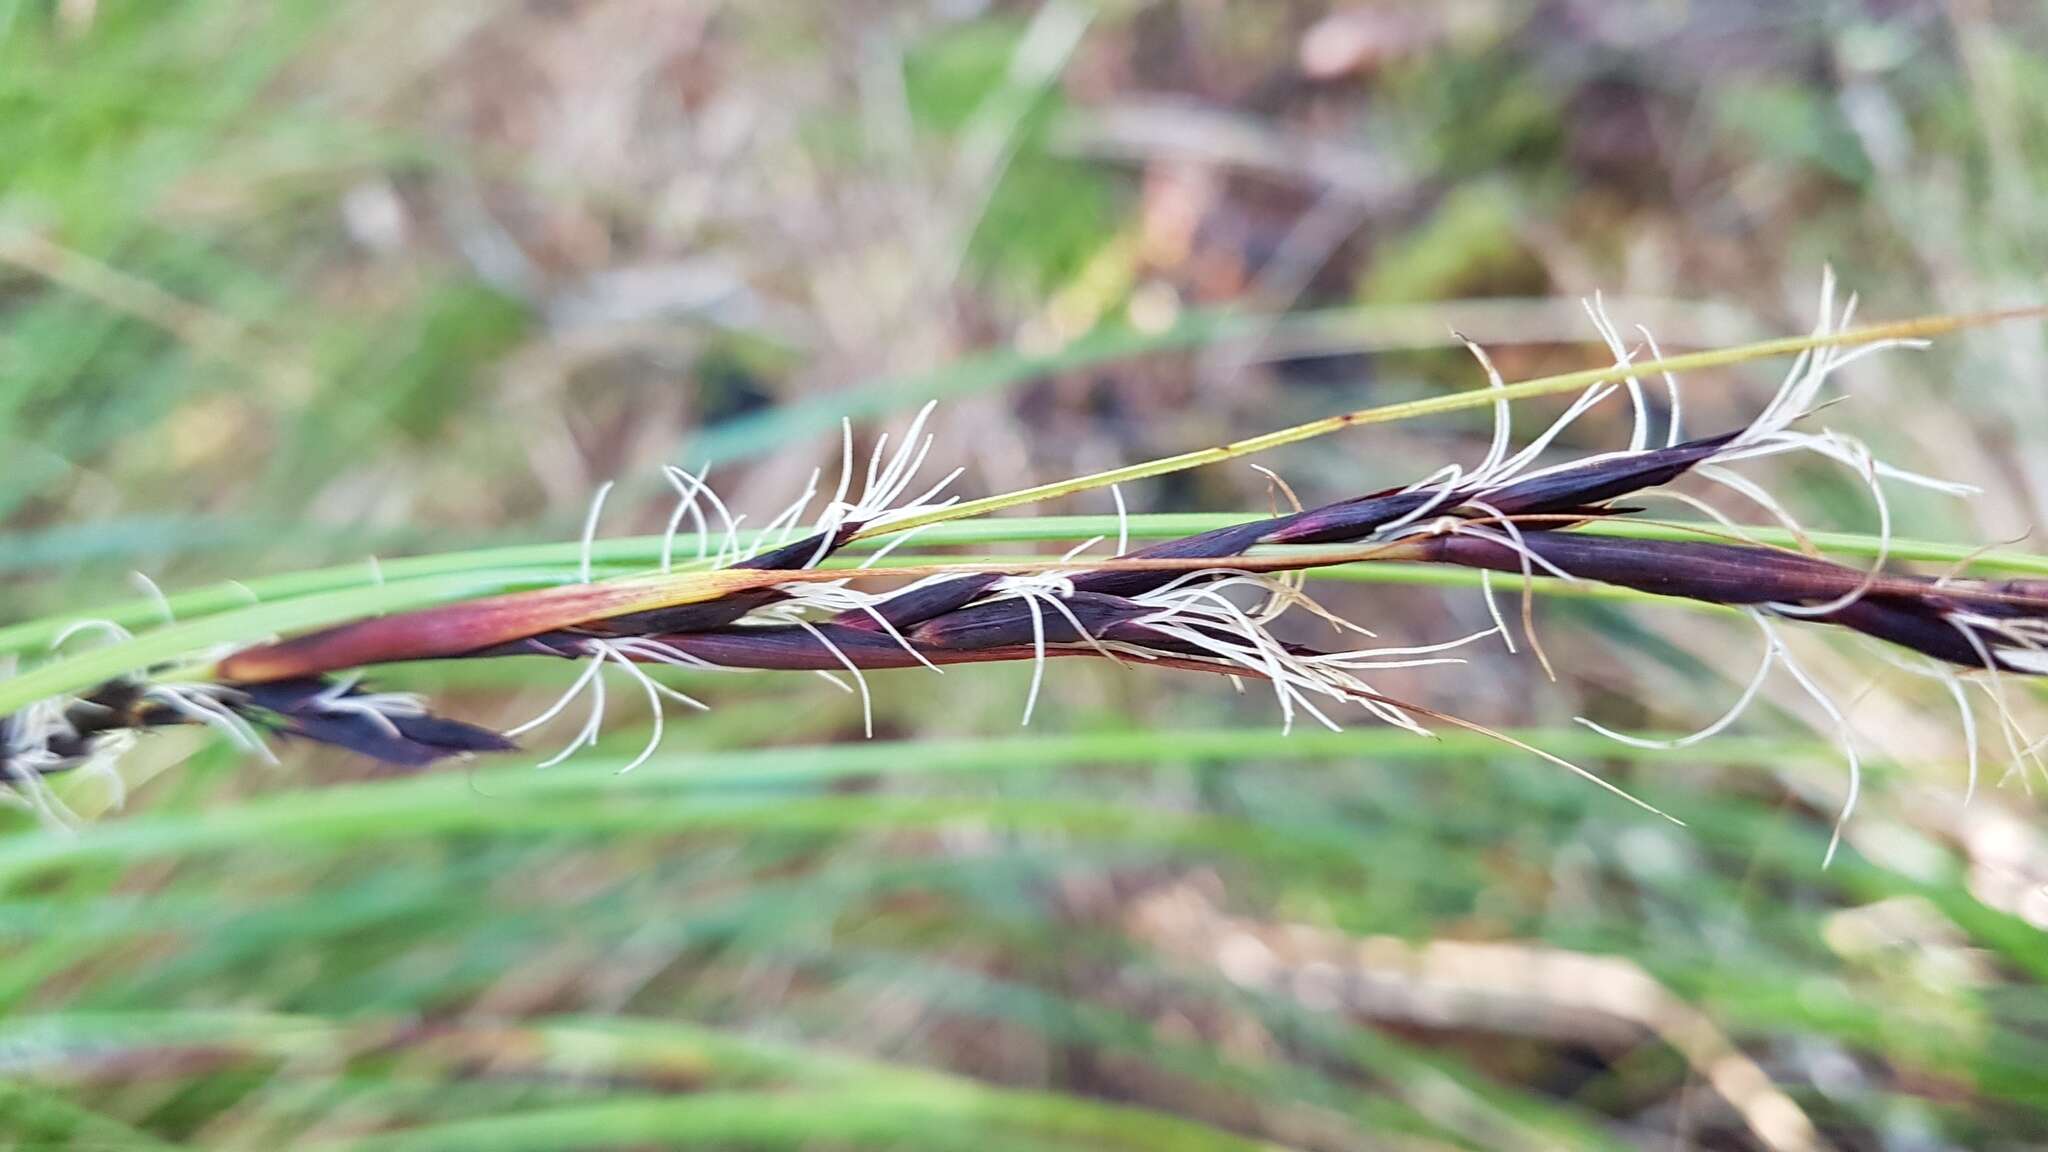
(288, 284)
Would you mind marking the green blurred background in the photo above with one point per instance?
(291, 284)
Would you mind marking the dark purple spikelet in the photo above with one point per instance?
(1219, 543)
(1688, 569)
(1022, 621)
(1916, 612)
(1573, 492)
(914, 606)
(805, 553)
(393, 730)
(1593, 483)
(322, 712)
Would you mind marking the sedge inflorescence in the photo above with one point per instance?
(1204, 602)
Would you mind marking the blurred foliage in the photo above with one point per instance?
(286, 284)
(1046, 215)
(1467, 245)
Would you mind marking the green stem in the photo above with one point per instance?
(1917, 328)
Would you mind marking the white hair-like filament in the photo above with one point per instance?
(1845, 736)
(107, 628)
(587, 680)
(1734, 712)
(376, 707)
(590, 531)
(1123, 520)
(688, 496)
(202, 703)
(156, 595)
(1639, 434)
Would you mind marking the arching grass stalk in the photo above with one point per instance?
(493, 570)
(1202, 601)
(288, 601)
